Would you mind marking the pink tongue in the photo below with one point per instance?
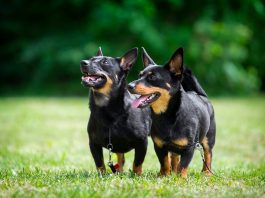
(88, 78)
(136, 103)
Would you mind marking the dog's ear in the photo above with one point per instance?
(175, 64)
(99, 53)
(128, 59)
(147, 60)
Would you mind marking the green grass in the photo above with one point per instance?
(44, 152)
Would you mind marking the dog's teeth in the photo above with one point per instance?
(151, 97)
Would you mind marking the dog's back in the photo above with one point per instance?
(190, 82)
(200, 109)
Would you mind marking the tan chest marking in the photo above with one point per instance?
(161, 104)
(158, 142)
(181, 142)
(178, 142)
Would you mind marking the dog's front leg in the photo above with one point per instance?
(164, 159)
(184, 163)
(139, 155)
(121, 161)
(175, 159)
(97, 153)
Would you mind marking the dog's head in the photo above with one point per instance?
(104, 74)
(156, 83)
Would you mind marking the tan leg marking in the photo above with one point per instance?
(137, 169)
(101, 169)
(184, 173)
(165, 169)
(121, 161)
(207, 157)
(175, 159)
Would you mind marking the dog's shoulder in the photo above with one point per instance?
(193, 102)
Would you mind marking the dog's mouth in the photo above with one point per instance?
(145, 100)
(93, 80)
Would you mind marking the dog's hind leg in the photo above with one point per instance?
(207, 157)
(97, 153)
(208, 144)
(139, 155)
(121, 161)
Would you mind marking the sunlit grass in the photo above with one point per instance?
(44, 151)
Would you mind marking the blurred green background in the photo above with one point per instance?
(42, 43)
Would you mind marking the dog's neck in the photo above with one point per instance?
(172, 107)
(116, 94)
(112, 107)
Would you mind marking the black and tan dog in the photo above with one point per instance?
(111, 112)
(181, 113)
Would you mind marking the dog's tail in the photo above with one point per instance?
(190, 83)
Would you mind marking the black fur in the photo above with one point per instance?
(112, 110)
(190, 83)
(188, 115)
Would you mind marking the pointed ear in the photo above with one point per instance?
(128, 59)
(147, 60)
(175, 64)
(99, 53)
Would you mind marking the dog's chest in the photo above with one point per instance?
(170, 142)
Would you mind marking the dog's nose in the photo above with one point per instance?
(131, 87)
(84, 63)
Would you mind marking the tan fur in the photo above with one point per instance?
(161, 104)
(208, 160)
(146, 62)
(159, 143)
(207, 157)
(105, 90)
(184, 173)
(181, 142)
(175, 159)
(205, 143)
(175, 64)
(120, 160)
(101, 169)
(165, 170)
(122, 61)
(137, 169)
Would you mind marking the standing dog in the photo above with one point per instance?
(112, 120)
(181, 117)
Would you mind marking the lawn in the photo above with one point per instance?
(44, 152)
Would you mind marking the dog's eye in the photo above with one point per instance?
(151, 77)
(105, 62)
